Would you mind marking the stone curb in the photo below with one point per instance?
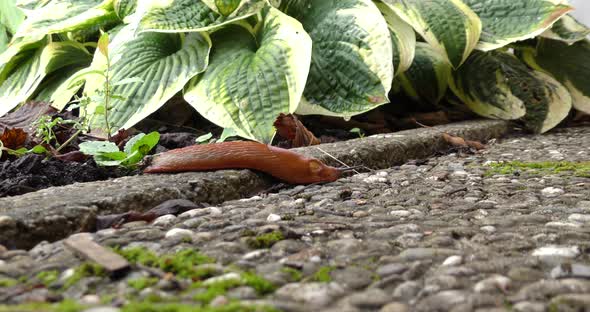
(57, 212)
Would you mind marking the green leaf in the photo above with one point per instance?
(28, 69)
(38, 149)
(3, 38)
(161, 65)
(352, 60)
(128, 80)
(494, 85)
(403, 39)
(553, 105)
(226, 134)
(507, 21)
(204, 138)
(52, 82)
(124, 8)
(247, 86)
(568, 30)
(450, 26)
(59, 16)
(569, 64)
(10, 15)
(498, 85)
(103, 44)
(428, 77)
(227, 7)
(98, 147)
(191, 15)
(139, 146)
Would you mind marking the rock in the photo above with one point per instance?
(242, 293)
(556, 254)
(369, 299)
(415, 254)
(390, 269)
(222, 278)
(183, 233)
(493, 284)
(568, 270)
(583, 219)
(273, 218)
(552, 192)
(407, 290)
(571, 302)
(529, 306)
(352, 277)
(165, 221)
(395, 307)
(315, 295)
(549, 288)
(453, 261)
(442, 301)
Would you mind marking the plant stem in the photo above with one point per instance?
(68, 141)
(107, 96)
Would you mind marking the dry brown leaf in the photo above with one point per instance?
(13, 138)
(26, 115)
(290, 128)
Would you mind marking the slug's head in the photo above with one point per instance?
(320, 172)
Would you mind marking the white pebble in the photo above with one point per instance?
(254, 198)
(557, 251)
(179, 232)
(164, 221)
(375, 179)
(552, 192)
(194, 213)
(559, 224)
(256, 254)
(453, 261)
(489, 229)
(579, 218)
(214, 211)
(496, 282)
(223, 278)
(273, 218)
(400, 213)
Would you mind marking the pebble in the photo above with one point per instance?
(551, 254)
(315, 295)
(273, 218)
(165, 221)
(552, 192)
(173, 233)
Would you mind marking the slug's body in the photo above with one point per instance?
(282, 164)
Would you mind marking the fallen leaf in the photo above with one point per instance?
(26, 115)
(290, 128)
(13, 138)
(75, 156)
(475, 144)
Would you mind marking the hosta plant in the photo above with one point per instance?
(240, 63)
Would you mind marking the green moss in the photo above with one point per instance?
(259, 283)
(82, 271)
(142, 283)
(323, 274)
(139, 255)
(8, 282)
(48, 277)
(64, 306)
(213, 290)
(295, 275)
(580, 169)
(265, 240)
(183, 263)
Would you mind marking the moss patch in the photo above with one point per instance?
(48, 277)
(142, 283)
(265, 240)
(182, 263)
(323, 274)
(82, 271)
(295, 275)
(580, 169)
(64, 306)
(8, 282)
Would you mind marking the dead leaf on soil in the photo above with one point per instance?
(13, 138)
(26, 115)
(290, 128)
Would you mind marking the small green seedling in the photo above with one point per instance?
(108, 154)
(205, 138)
(358, 132)
(38, 149)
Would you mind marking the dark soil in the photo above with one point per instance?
(33, 172)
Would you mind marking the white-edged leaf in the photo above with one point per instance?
(161, 63)
(3, 38)
(428, 77)
(403, 39)
(494, 85)
(28, 68)
(59, 16)
(547, 111)
(190, 15)
(450, 26)
(247, 85)
(10, 15)
(507, 21)
(568, 30)
(352, 60)
(124, 8)
(569, 64)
